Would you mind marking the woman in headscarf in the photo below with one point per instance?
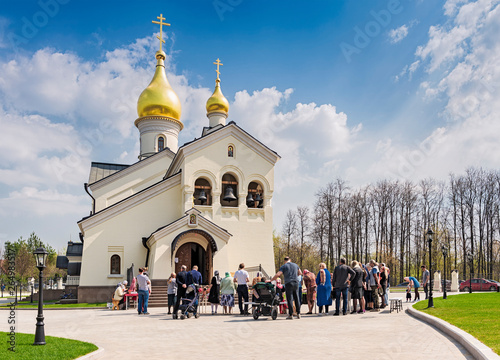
(118, 296)
(324, 290)
(227, 288)
(213, 296)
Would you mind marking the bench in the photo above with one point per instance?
(396, 304)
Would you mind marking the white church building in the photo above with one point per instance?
(205, 203)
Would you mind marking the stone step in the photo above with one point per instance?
(157, 305)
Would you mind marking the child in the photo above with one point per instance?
(408, 293)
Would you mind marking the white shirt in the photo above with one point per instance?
(241, 277)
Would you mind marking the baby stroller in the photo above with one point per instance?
(266, 302)
(189, 304)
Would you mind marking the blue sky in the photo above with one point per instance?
(415, 97)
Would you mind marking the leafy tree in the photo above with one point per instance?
(25, 266)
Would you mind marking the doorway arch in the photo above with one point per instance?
(194, 247)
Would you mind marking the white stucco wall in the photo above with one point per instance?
(125, 229)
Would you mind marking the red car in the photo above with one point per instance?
(479, 285)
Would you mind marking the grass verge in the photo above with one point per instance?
(55, 349)
(52, 305)
(476, 313)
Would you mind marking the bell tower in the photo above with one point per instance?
(159, 109)
(217, 104)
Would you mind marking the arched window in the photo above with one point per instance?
(255, 196)
(230, 151)
(229, 195)
(161, 143)
(202, 192)
(115, 264)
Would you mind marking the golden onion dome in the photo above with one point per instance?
(217, 102)
(159, 98)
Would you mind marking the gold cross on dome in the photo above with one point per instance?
(161, 23)
(217, 62)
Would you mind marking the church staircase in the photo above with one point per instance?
(159, 295)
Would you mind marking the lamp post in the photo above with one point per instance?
(40, 258)
(444, 249)
(470, 259)
(430, 233)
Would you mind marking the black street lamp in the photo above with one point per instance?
(444, 249)
(470, 259)
(430, 233)
(40, 258)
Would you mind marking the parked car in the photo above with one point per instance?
(479, 285)
(448, 285)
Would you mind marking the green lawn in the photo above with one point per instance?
(478, 314)
(55, 349)
(52, 305)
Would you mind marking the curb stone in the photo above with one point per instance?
(475, 347)
(93, 355)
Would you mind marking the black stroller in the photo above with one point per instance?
(189, 304)
(266, 302)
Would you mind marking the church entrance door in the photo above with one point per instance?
(191, 254)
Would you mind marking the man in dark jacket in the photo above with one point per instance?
(194, 276)
(340, 281)
(182, 283)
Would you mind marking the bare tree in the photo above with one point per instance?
(302, 216)
(289, 228)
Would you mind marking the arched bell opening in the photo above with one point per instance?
(229, 195)
(255, 196)
(202, 192)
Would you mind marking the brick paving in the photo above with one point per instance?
(126, 335)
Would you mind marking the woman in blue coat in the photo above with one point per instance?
(324, 290)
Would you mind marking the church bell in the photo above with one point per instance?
(229, 196)
(202, 197)
(250, 200)
(259, 199)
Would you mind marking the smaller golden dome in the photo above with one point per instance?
(159, 98)
(217, 102)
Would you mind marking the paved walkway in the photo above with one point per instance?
(125, 335)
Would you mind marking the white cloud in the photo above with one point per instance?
(464, 64)
(36, 151)
(398, 34)
(95, 94)
(450, 42)
(46, 203)
(451, 6)
(307, 137)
